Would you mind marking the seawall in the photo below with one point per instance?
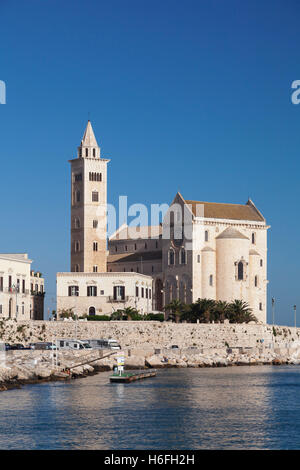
(153, 334)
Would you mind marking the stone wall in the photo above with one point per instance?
(153, 334)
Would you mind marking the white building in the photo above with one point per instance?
(15, 295)
(103, 293)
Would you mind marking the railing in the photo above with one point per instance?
(111, 298)
(15, 290)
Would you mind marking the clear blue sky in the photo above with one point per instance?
(191, 95)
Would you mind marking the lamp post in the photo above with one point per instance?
(273, 310)
(16, 288)
(295, 313)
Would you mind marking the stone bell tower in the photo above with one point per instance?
(88, 206)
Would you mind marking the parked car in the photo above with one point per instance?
(42, 346)
(103, 343)
(17, 346)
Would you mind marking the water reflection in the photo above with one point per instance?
(242, 407)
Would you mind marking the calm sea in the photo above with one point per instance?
(223, 408)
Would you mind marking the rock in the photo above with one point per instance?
(77, 371)
(42, 372)
(180, 363)
(134, 362)
(154, 361)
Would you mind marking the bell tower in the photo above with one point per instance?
(88, 206)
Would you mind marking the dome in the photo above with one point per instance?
(231, 232)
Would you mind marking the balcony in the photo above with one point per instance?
(117, 299)
(15, 290)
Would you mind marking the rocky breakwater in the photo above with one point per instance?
(23, 367)
(20, 367)
(211, 357)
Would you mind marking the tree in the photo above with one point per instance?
(132, 314)
(117, 315)
(201, 310)
(66, 313)
(220, 311)
(176, 308)
(240, 312)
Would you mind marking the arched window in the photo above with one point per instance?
(77, 245)
(206, 235)
(95, 246)
(256, 281)
(171, 257)
(253, 238)
(86, 152)
(240, 271)
(211, 280)
(94, 152)
(182, 256)
(76, 268)
(77, 222)
(77, 196)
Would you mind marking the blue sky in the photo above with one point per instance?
(192, 96)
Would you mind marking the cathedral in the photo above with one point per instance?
(200, 250)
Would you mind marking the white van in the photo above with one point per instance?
(74, 344)
(103, 343)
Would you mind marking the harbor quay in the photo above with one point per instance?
(144, 345)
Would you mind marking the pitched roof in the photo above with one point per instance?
(216, 210)
(135, 257)
(89, 139)
(135, 233)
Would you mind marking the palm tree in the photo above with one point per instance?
(201, 310)
(240, 312)
(117, 315)
(131, 313)
(175, 307)
(220, 311)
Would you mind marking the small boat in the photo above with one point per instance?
(127, 377)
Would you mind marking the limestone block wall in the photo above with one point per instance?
(146, 334)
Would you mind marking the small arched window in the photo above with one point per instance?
(211, 280)
(182, 256)
(256, 281)
(94, 152)
(77, 222)
(171, 257)
(253, 238)
(86, 152)
(240, 271)
(206, 235)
